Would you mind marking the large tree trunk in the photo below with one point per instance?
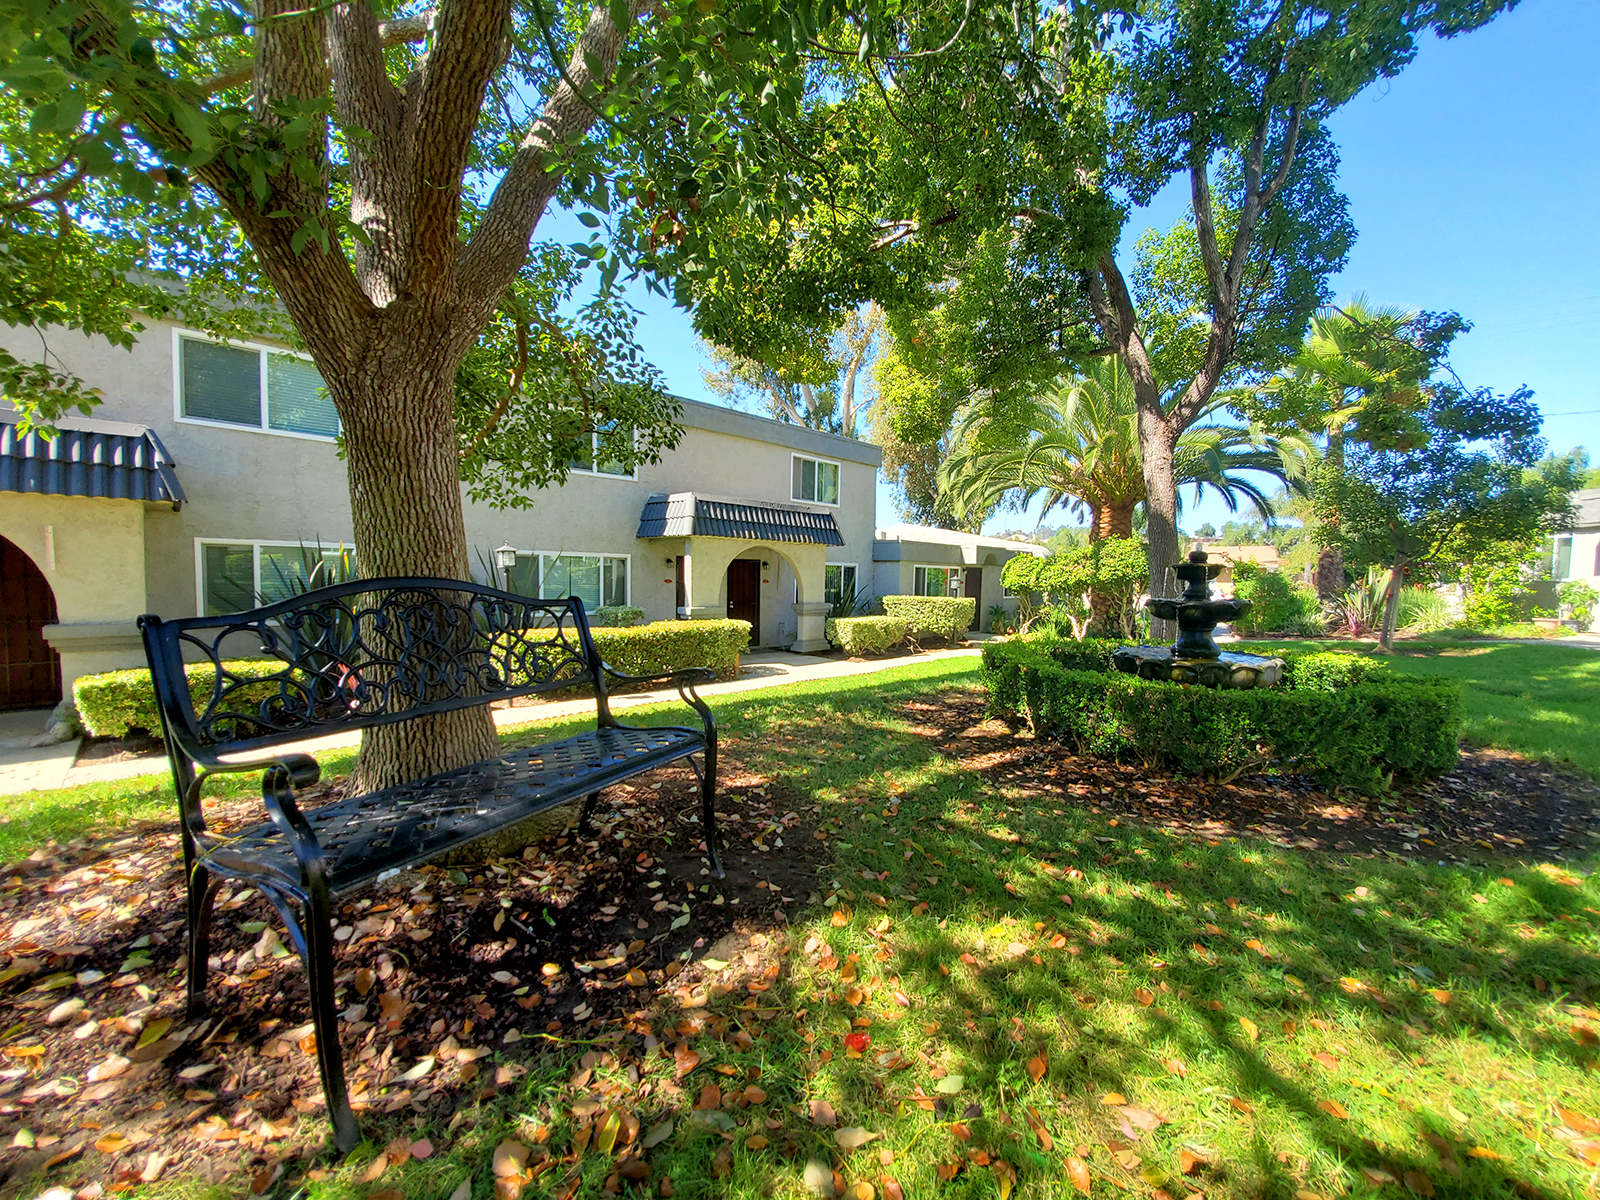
(1156, 438)
(1391, 609)
(405, 497)
(1330, 559)
(1111, 617)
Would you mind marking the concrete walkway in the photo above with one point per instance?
(23, 770)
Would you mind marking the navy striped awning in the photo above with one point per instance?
(684, 514)
(105, 459)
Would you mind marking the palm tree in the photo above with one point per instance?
(1356, 374)
(1077, 444)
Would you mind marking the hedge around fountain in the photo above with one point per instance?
(1361, 737)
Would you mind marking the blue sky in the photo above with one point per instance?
(1474, 185)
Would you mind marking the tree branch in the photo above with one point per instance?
(499, 245)
(390, 33)
(469, 46)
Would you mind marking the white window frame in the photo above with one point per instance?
(255, 544)
(262, 349)
(540, 554)
(947, 568)
(594, 456)
(839, 466)
(856, 567)
(1555, 555)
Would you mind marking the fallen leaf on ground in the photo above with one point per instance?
(510, 1158)
(1078, 1172)
(822, 1113)
(1333, 1108)
(1250, 1028)
(1037, 1066)
(852, 1137)
(1418, 1184)
(1113, 1099)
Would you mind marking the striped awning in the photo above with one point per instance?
(684, 514)
(105, 459)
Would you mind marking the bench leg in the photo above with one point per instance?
(583, 817)
(202, 892)
(708, 809)
(325, 1019)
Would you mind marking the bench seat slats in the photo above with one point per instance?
(364, 836)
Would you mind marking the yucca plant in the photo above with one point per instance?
(1359, 612)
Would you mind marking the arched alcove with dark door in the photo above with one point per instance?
(30, 670)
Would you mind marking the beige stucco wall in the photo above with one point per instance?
(250, 485)
(92, 552)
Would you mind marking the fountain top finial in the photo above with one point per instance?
(1197, 555)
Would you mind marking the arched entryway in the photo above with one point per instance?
(30, 670)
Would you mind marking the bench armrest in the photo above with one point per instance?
(282, 774)
(683, 676)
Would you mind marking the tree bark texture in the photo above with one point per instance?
(1391, 609)
(388, 330)
(1330, 559)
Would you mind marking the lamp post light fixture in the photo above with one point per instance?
(505, 557)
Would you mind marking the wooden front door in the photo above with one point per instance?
(972, 585)
(30, 671)
(744, 594)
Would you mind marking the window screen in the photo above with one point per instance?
(221, 383)
(297, 400)
(228, 581)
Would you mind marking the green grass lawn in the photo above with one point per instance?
(1542, 701)
(1035, 991)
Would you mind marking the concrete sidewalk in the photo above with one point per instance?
(23, 769)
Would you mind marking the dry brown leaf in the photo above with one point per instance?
(1377, 1176)
(1240, 1105)
(710, 1097)
(510, 1158)
(1144, 996)
(1418, 1184)
(1250, 1028)
(375, 1168)
(1037, 1066)
(758, 1142)
(1113, 1099)
(1189, 1161)
(685, 1059)
(960, 1132)
(421, 1149)
(1142, 1117)
(822, 1113)
(111, 1143)
(1577, 1121)
(1175, 1067)
(1078, 1172)
(1333, 1108)
(1036, 1123)
(892, 1189)
(1326, 1060)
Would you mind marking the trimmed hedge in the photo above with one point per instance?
(1328, 670)
(943, 617)
(114, 703)
(117, 702)
(865, 635)
(1356, 738)
(616, 616)
(1080, 654)
(671, 645)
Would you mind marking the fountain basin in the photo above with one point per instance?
(1229, 669)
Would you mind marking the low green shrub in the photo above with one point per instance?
(1278, 604)
(1357, 738)
(1326, 670)
(1085, 654)
(115, 703)
(1423, 610)
(616, 616)
(672, 645)
(941, 618)
(865, 635)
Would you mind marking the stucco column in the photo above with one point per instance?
(812, 619)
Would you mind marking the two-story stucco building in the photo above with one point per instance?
(209, 468)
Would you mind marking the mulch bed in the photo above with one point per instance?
(1493, 804)
(439, 968)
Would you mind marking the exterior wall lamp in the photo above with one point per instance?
(505, 557)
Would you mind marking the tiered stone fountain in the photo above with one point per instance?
(1195, 657)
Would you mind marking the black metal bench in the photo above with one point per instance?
(365, 654)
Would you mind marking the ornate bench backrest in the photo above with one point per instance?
(354, 655)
